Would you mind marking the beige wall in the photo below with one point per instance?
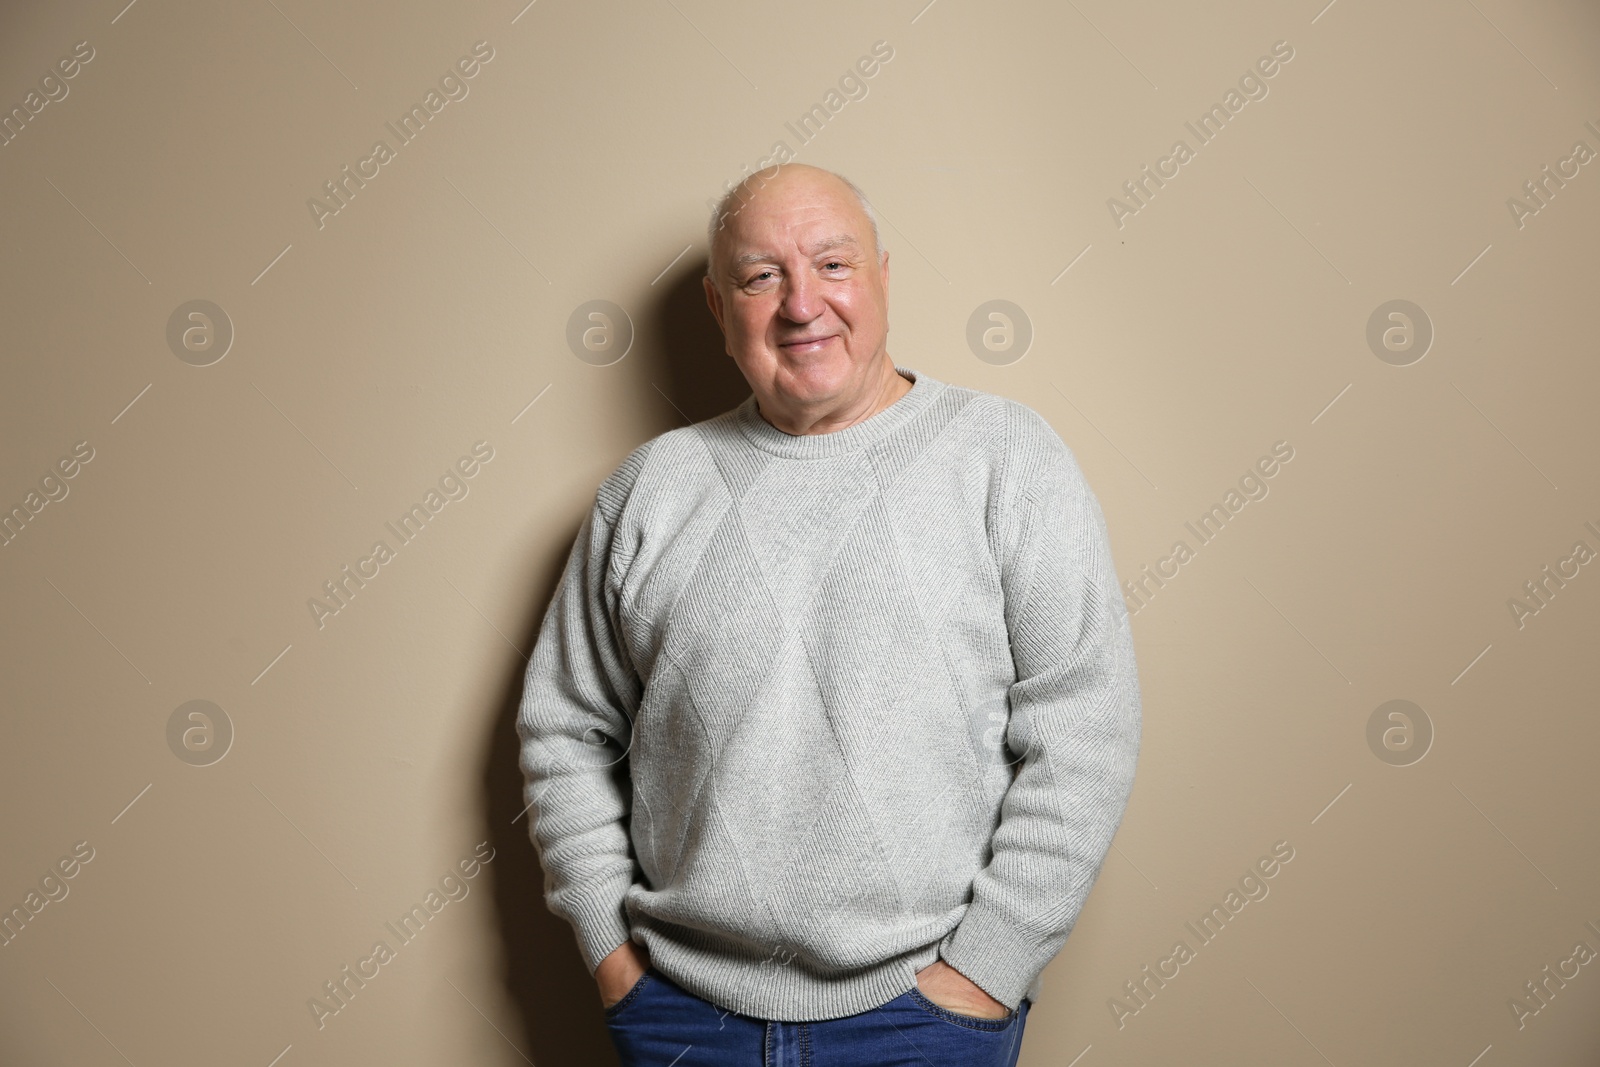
(1174, 344)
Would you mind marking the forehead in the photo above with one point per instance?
(811, 217)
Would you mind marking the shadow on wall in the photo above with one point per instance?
(696, 370)
(678, 341)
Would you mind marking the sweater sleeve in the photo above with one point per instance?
(579, 696)
(1073, 732)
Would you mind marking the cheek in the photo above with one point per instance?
(855, 306)
(751, 319)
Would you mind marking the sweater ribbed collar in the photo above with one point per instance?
(768, 437)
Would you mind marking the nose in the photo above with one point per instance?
(802, 297)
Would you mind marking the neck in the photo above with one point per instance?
(885, 387)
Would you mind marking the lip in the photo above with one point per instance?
(809, 345)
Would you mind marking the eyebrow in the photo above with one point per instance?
(827, 244)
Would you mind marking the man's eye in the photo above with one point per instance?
(834, 263)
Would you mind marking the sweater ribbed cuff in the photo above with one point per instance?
(992, 954)
(601, 925)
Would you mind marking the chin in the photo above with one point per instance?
(823, 376)
(833, 361)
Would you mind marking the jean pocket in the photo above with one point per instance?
(631, 995)
(971, 1022)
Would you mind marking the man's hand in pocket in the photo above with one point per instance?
(954, 991)
(618, 972)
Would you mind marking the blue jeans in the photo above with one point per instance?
(661, 1024)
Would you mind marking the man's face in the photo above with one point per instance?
(801, 293)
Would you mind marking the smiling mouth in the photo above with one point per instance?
(808, 341)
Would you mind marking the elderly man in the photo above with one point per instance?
(835, 712)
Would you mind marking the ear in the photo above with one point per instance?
(714, 302)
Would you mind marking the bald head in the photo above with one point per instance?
(768, 189)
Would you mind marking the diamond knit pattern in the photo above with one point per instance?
(809, 712)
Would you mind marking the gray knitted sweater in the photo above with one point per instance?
(807, 713)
